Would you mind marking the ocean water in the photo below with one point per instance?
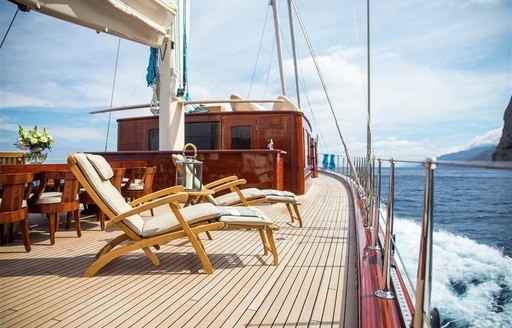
(472, 243)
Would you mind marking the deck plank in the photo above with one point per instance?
(45, 287)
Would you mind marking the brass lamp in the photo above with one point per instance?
(189, 171)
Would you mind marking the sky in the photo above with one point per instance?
(441, 72)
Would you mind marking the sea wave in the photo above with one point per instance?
(472, 282)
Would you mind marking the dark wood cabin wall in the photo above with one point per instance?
(133, 134)
(285, 128)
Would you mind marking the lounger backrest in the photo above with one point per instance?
(96, 170)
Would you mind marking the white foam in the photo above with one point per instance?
(480, 272)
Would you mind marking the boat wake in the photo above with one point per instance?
(472, 283)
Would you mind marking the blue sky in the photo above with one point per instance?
(441, 72)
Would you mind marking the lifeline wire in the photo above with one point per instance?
(352, 168)
(112, 94)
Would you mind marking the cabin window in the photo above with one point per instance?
(204, 135)
(241, 137)
(153, 139)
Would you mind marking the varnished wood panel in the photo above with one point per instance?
(259, 167)
(285, 128)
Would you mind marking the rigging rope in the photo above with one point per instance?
(112, 94)
(9, 28)
(269, 67)
(258, 54)
(322, 81)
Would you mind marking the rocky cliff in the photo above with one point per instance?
(503, 150)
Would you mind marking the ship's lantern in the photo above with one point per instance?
(189, 171)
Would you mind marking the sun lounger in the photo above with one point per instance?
(94, 174)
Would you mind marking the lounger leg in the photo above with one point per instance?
(101, 217)
(264, 241)
(110, 245)
(273, 249)
(209, 235)
(151, 255)
(106, 258)
(288, 207)
(299, 218)
(198, 246)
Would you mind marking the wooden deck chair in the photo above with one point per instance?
(94, 174)
(249, 196)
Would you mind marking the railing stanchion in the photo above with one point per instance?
(424, 279)
(385, 292)
(376, 211)
(370, 190)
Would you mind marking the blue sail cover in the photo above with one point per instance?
(152, 75)
(325, 162)
(332, 165)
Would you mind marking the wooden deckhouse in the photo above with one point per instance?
(232, 143)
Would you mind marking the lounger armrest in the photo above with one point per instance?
(156, 194)
(219, 182)
(177, 197)
(232, 185)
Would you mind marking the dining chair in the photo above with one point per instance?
(52, 203)
(138, 182)
(13, 205)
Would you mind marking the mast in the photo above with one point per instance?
(278, 45)
(294, 50)
(369, 176)
(171, 122)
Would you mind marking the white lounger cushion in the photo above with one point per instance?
(233, 198)
(276, 196)
(280, 196)
(106, 191)
(239, 215)
(167, 222)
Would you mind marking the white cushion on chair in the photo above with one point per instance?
(280, 195)
(101, 165)
(106, 191)
(167, 221)
(51, 197)
(233, 198)
(239, 215)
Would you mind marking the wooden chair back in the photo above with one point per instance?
(66, 202)
(15, 188)
(12, 157)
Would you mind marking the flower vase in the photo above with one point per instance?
(36, 156)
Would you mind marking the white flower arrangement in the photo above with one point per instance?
(34, 139)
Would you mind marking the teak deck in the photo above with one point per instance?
(310, 286)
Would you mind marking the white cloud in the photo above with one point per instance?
(491, 137)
